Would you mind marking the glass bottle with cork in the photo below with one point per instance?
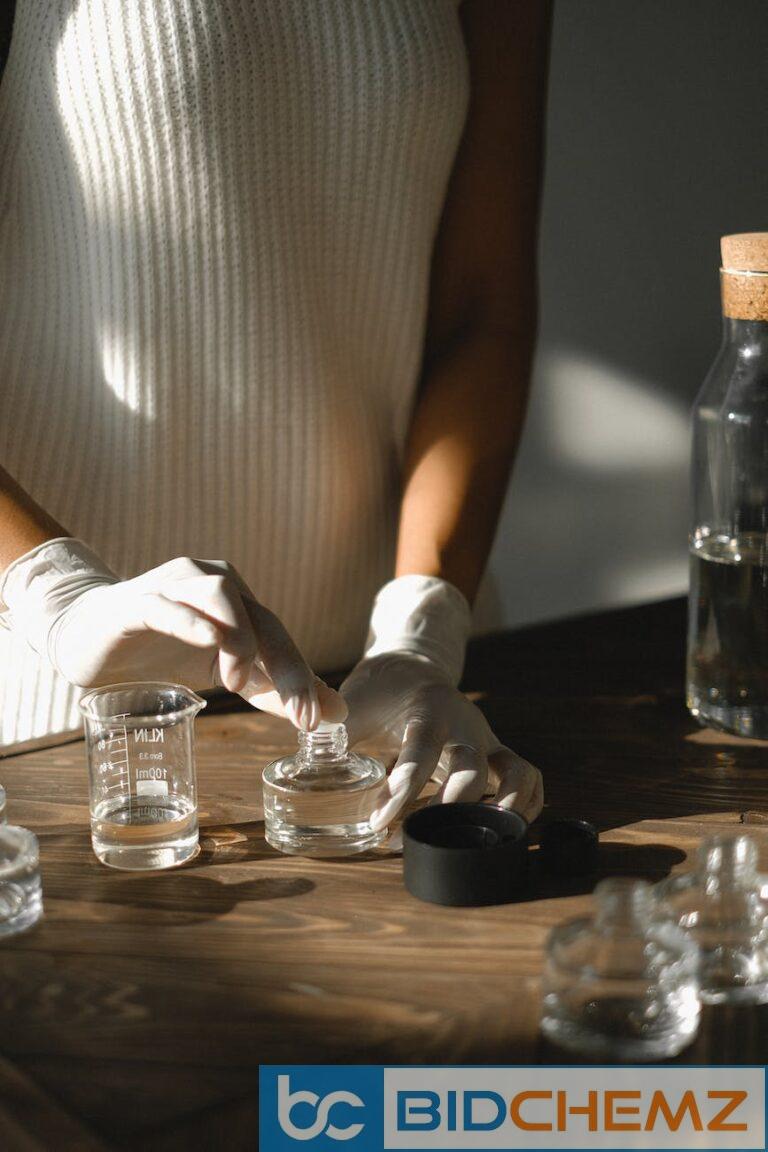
(727, 670)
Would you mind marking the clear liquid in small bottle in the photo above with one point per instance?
(728, 633)
(144, 832)
(319, 802)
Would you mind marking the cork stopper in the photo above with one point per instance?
(744, 275)
(745, 252)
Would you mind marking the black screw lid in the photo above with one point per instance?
(464, 854)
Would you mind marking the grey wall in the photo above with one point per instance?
(657, 145)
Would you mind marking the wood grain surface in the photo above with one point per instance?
(135, 1015)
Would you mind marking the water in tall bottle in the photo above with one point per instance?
(727, 676)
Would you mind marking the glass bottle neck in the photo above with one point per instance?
(326, 745)
(729, 861)
(750, 336)
(623, 905)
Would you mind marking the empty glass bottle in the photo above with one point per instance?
(722, 907)
(727, 676)
(620, 985)
(319, 801)
(21, 892)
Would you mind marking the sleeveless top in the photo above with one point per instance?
(216, 226)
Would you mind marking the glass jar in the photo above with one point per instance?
(727, 673)
(620, 985)
(319, 801)
(21, 893)
(721, 905)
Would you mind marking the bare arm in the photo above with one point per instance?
(482, 316)
(23, 524)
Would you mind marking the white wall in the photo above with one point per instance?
(657, 145)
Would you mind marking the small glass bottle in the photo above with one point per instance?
(21, 893)
(319, 801)
(727, 674)
(722, 906)
(620, 985)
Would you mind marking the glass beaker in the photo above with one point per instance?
(141, 761)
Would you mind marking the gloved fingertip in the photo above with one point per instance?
(233, 683)
(378, 820)
(250, 695)
(295, 711)
(395, 842)
(234, 676)
(387, 811)
(333, 707)
(306, 710)
(314, 714)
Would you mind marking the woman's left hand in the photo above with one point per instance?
(406, 703)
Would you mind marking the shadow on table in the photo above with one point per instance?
(182, 897)
(650, 862)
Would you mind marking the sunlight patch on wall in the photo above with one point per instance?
(596, 515)
(601, 419)
(654, 580)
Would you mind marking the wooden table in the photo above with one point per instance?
(137, 1012)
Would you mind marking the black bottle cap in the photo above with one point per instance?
(569, 846)
(464, 854)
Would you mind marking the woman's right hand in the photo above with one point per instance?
(195, 622)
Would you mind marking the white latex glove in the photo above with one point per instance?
(194, 622)
(403, 694)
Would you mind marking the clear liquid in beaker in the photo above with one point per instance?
(144, 832)
(140, 749)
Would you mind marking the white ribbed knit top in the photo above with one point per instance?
(216, 223)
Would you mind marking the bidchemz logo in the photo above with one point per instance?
(321, 1125)
(372, 1108)
(321, 1107)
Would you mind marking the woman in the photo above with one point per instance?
(268, 295)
